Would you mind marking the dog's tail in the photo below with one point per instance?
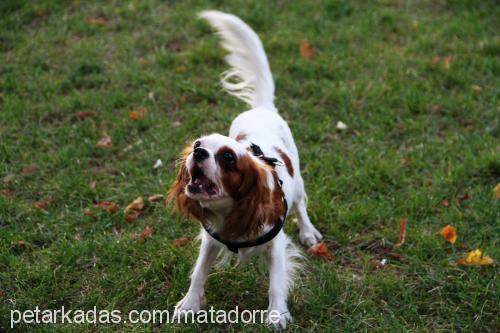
(249, 77)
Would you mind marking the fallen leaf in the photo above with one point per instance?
(92, 185)
(142, 61)
(320, 250)
(179, 242)
(43, 204)
(105, 142)
(146, 233)
(449, 233)
(341, 126)
(435, 60)
(475, 88)
(88, 213)
(158, 164)
(137, 204)
(306, 50)
(82, 115)
(139, 114)
(181, 69)
(404, 162)
(155, 197)
(29, 170)
(475, 258)
(402, 232)
(99, 21)
(462, 198)
(132, 215)
(445, 203)
(378, 264)
(497, 191)
(107, 206)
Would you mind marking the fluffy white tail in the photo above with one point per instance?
(249, 77)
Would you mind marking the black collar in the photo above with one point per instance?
(233, 246)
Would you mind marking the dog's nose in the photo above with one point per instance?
(200, 154)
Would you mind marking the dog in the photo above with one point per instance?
(241, 187)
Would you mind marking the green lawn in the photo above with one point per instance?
(417, 82)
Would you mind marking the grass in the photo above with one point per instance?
(424, 132)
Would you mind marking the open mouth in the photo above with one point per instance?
(200, 184)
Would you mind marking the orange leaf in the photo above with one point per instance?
(475, 258)
(497, 191)
(139, 114)
(320, 250)
(105, 142)
(84, 115)
(306, 50)
(179, 242)
(132, 215)
(146, 233)
(107, 206)
(462, 198)
(402, 232)
(43, 203)
(137, 204)
(449, 233)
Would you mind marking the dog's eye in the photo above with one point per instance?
(228, 157)
(197, 144)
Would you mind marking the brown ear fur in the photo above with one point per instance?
(183, 203)
(255, 204)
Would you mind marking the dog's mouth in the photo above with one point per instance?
(200, 185)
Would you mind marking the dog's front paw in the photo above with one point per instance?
(310, 237)
(278, 318)
(189, 305)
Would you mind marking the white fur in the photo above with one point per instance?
(261, 125)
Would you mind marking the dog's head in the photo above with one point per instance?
(219, 176)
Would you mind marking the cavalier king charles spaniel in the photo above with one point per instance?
(241, 187)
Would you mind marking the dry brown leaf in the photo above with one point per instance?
(88, 213)
(92, 185)
(449, 233)
(320, 250)
(29, 170)
(43, 204)
(146, 233)
(105, 142)
(306, 50)
(378, 264)
(179, 242)
(138, 114)
(137, 205)
(402, 232)
(181, 69)
(475, 258)
(82, 115)
(463, 197)
(107, 206)
(435, 60)
(155, 197)
(98, 21)
(132, 215)
(445, 203)
(497, 191)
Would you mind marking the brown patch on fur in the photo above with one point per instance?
(241, 136)
(286, 159)
(177, 193)
(246, 183)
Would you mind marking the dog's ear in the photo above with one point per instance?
(256, 203)
(177, 192)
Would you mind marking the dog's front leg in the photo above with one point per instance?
(279, 281)
(195, 297)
